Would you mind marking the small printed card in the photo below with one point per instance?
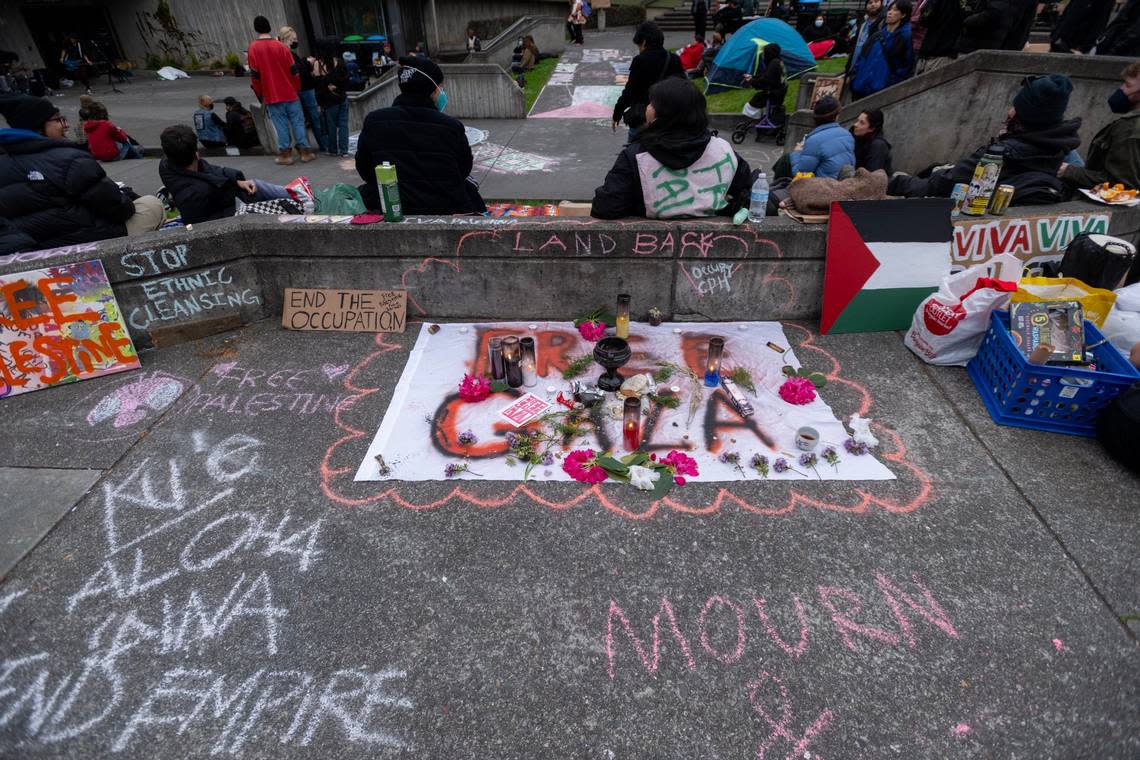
(524, 409)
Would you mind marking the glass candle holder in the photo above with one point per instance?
(622, 315)
(495, 354)
(528, 362)
(712, 363)
(512, 359)
(631, 424)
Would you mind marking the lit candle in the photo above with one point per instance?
(712, 365)
(631, 424)
(495, 351)
(511, 359)
(622, 327)
(528, 362)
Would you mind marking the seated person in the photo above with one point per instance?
(89, 108)
(826, 149)
(770, 84)
(674, 167)
(872, 151)
(200, 190)
(209, 126)
(690, 55)
(241, 131)
(1114, 154)
(107, 142)
(428, 148)
(1035, 140)
(728, 18)
(707, 57)
(54, 191)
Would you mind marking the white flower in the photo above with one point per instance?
(861, 430)
(643, 478)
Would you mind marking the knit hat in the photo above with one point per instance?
(419, 76)
(826, 109)
(1042, 100)
(26, 112)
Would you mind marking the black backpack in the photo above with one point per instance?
(1118, 428)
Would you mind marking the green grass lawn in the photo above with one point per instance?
(733, 101)
(536, 80)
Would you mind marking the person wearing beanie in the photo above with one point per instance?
(1114, 153)
(771, 85)
(428, 148)
(54, 192)
(826, 149)
(276, 80)
(1034, 142)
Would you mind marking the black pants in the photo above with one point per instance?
(701, 22)
(575, 31)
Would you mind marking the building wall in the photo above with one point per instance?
(455, 15)
(14, 35)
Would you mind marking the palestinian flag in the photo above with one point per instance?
(883, 258)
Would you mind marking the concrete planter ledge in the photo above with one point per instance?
(182, 284)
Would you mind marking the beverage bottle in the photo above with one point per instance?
(758, 206)
(985, 181)
(389, 192)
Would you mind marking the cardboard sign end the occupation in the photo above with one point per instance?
(329, 309)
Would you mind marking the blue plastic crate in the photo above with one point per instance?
(1043, 397)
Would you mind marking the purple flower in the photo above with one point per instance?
(467, 438)
(547, 459)
(855, 448)
(781, 465)
(512, 438)
(808, 460)
(453, 469)
(760, 464)
(730, 457)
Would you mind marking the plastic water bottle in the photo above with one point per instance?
(758, 206)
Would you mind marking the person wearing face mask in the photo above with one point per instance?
(308, 92)
(819, 30)
(209, 126)
(1034, 142)
(53, 192)
(674, 168)
(428, 148)
(1114, 153)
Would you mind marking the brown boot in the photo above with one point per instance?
(284, 158)
(306, 155)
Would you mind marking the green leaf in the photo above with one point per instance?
(619, 478)
(612, 465)
(818, 379)
(499, 386)
(803, 372)
(636, 459)
(662, 487)
(789, 370)
(663, 373)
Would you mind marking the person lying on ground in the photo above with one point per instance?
(1034, 141)
(428, 148)
(1114, 154)
(200, 190)
(872, 151)
(826, 149)
(652, 64)
(107, 142)
(209, 126)
(771, 86)
(54, 191)
(674, 167)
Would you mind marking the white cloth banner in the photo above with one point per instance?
(418, 436)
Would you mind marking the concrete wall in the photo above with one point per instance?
(549, 34)
(474, 91)
(946, 114)
(181, 284)
(456, 15)
(15, 36)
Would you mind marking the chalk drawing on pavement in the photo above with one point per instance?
(499, 159)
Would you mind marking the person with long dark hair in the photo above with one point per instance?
(674, 167)
(872, 151)
(332, 97)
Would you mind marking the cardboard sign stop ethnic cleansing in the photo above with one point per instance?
(60, 325)
(345, 310)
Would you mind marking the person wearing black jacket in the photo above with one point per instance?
(872, 151)
(699, 10)
(675, 167)
(985, 24)
(332, 97)
(55, 192)
(1080, 26)
(428, 148)
(942, 20)
(307, 94)
(241, 131)
(728, 18)
(201, 191)
(771, 87)
(652, 64)
(1034, 144)
(1024, 13)
(1122, 37)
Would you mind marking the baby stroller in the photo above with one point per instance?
(769, 120)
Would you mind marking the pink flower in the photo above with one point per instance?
(474, 389)
(592, 331)
(798, 390)
(680, 464)
(582, 465)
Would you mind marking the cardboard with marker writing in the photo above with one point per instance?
(330, 309)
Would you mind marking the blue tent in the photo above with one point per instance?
(741, 54)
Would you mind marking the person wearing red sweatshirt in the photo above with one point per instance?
(107, 142)
(276, 81)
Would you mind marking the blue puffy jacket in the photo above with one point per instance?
(827, 149)
(887, 59)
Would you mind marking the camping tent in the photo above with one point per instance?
(741, 54)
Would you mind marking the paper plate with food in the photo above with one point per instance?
(1112, 195)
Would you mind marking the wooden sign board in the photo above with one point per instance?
(600, 4)
(823, 86)
(59, 325)
(335, 310)
(1034, 239)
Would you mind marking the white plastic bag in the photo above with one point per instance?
(949, 325)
